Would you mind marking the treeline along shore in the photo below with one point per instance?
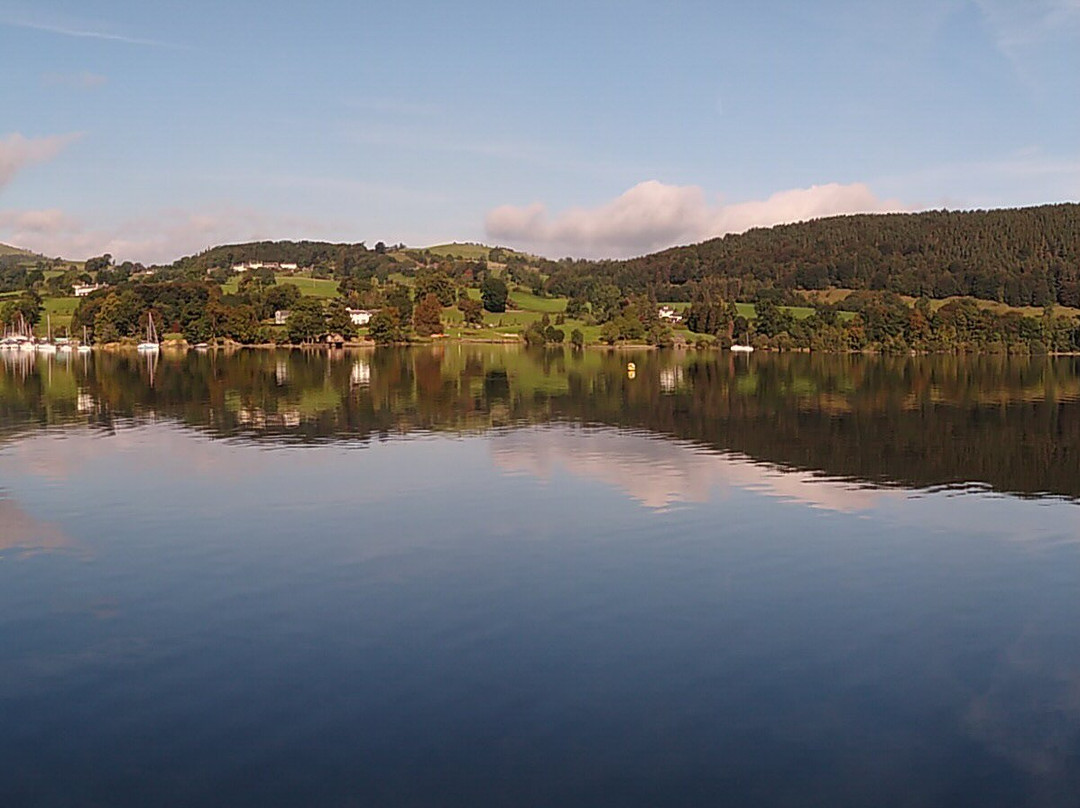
(983, 281)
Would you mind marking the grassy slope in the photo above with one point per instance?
(7, 249)
(311, 287)
(59, 310)
(469, 252)
(838, 295)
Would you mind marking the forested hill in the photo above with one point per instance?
(1023, 257)
(303, 253)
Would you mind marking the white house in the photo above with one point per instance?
(83, 289)
(271, 265)
(281, 316)
(359, 316)
(669, 314)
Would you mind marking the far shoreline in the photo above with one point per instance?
(182, 346)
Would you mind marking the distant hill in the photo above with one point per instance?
(1022, 257)
(7, 249)
(303, 253)
(1019, 257)
(470, 251)
(465, 250)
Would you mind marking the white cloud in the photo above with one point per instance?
(651, 216)
(1018, 25)
(158, 238)
(660, 474)
(1038, 38)
(17, 152)
(84, 80)
(81, 32)
(19, 530)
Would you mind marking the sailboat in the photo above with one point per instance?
(84, 346)
(64, 344)
(25, 336)
(10, 342)
(48, 346)
(151, 345)
(745, 347)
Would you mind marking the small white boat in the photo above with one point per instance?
(84, 346)
(742, 348)
(151, 345)
(48, 346)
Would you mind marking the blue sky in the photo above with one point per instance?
(590, 128)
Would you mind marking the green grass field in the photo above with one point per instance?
(838, 296)
(509, 325)
(469, 252)
(59, 311)
(402, 279)
(7, 249)
(527, 301)
(310, 287)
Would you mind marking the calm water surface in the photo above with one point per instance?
(477, 576)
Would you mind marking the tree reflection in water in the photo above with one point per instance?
(1012, 423)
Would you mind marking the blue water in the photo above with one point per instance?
(544, 614)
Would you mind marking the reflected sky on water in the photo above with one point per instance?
(480, 576)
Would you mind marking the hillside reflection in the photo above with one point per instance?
(1009, 423)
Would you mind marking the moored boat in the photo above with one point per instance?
(84, 346)
(47, 346)
(151, 344)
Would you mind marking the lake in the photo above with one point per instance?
(478, 576)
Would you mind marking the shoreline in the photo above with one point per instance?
(181, 346)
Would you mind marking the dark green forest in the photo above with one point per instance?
(1022, 257)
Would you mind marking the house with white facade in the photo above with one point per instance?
(359, 316)
(274, 266)
(83, 289)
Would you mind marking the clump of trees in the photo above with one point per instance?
(884, 322)
(26, 308)
(494, 293)
(542, 332)
(472, 311)
(386, 327)
(427, 318)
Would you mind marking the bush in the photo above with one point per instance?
(493, 293)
